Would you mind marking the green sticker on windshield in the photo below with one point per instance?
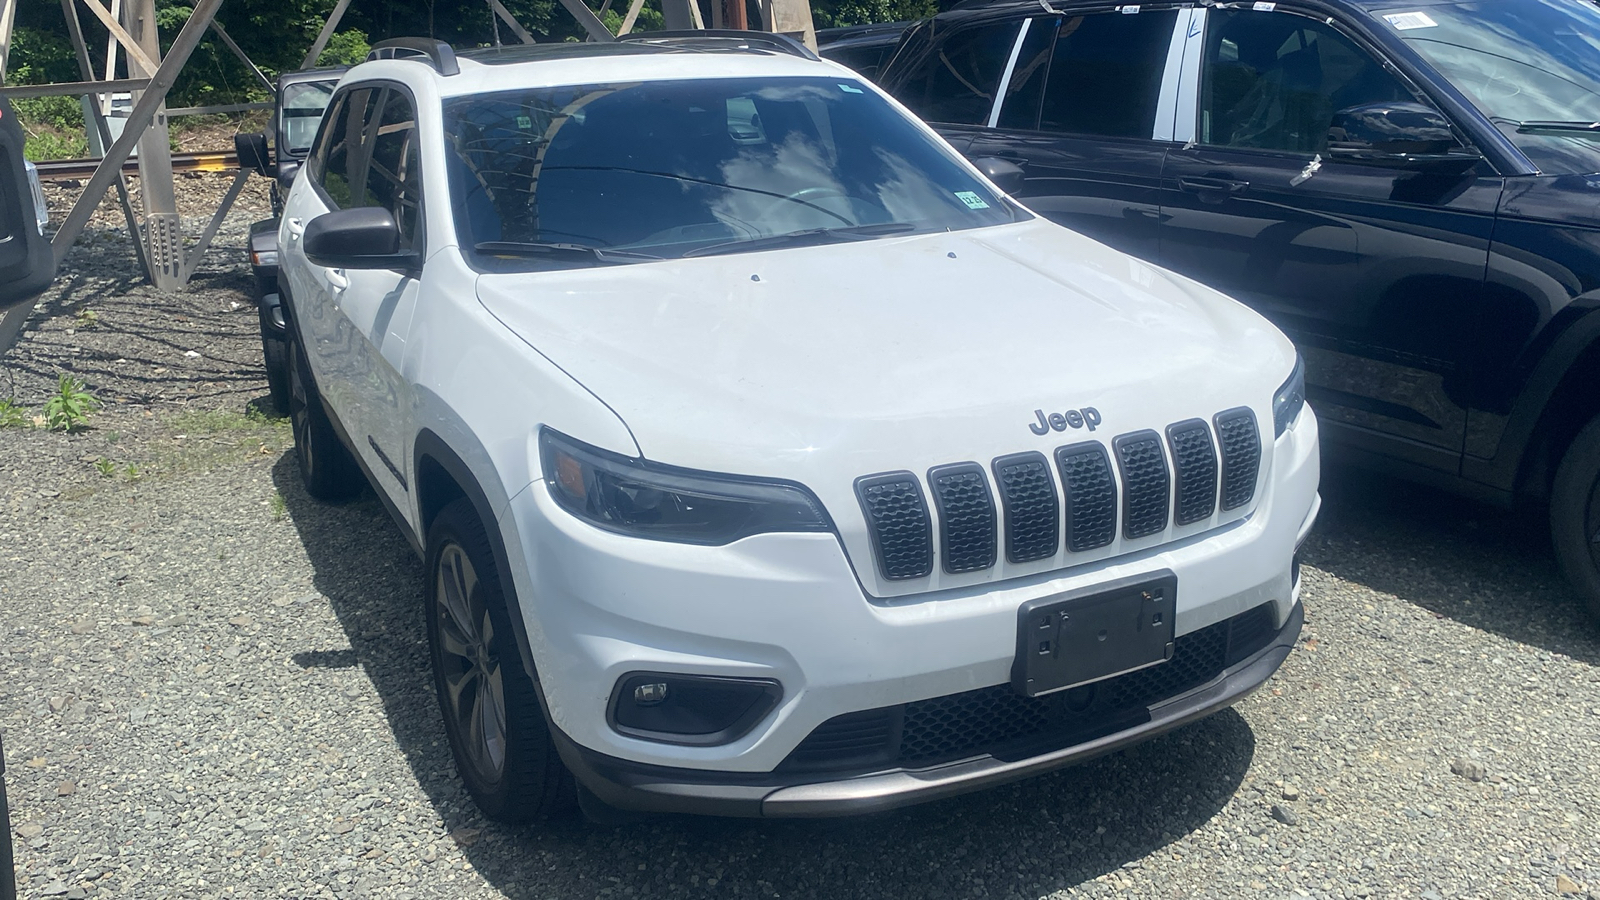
(524, 122)
(973, 201)
(849, 90)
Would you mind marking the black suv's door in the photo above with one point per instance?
(1375, 269)
(1079, 116)
(26, 264)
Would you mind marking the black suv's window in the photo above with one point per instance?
(689, 167)
(303, 105)
(1102, 78)
(1274, 80)
(393, 179)
(956, 82)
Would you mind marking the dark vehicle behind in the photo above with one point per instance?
(277, 153)
(1412, 193)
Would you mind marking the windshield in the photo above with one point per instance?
(673, 168)
(303, 106)
(1524, 61)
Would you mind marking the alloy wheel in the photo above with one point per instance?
(474, 687)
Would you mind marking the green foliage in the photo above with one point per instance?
(105, 467)
(69, 406)
(345, 48)
(12, 415)
(40, 56)
(830, 14)
(278, 507)
(45, 145)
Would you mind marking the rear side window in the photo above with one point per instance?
(1105, 76)
(955, 82)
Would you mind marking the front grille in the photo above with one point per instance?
(966, 517)
(1194, 467)
(1089, 492)
(1142, 490)
(997, 719)
(898, 521)
(1146, 490)
(1029, 496)
(1241, 455)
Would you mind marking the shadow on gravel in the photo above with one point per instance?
(1484, 567)
(1021, 840)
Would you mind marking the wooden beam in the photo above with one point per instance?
(516, 27)
(586, 17)
(74, 88)
(129, 45)
(8, 18)
(628, 20)
(138, 120)
(321, 43)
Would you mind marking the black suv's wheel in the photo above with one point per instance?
(326, 467)
(496, 729)
(275, 353)
(1575, 515)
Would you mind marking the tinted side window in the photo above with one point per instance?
(1105, 74)
(955, 83)
(1021, 106)
(392, 173)
(343, 165)
(1274, 81)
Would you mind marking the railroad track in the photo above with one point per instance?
(181, 162)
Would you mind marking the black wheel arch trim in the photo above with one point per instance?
(430, 446)
(1527, 420)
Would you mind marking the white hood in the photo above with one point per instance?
(823, 364)
(757, 363)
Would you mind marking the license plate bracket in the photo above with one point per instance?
(1108, 630)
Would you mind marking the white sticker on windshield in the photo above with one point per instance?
(1408, 20)
(973, 201)
(1263, 6)
(849, 90)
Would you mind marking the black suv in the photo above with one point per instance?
(1410, 192)
(302, 98)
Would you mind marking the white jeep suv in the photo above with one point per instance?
(766, 458)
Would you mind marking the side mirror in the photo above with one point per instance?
(287, 169)
(362, 238)
(1403, 132)
(252, 152)
(27, 265)
(1006, 175)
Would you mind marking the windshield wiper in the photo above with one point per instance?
(1574, 128)
(804, 238)
(558, 249)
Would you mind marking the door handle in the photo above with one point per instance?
(337, 280)
(1198, 185)
(296, 228)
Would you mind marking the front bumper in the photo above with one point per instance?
(661, 789)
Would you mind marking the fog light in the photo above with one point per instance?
(701, 710)
(650, 694)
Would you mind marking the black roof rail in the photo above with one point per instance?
(437, 53)
(762, 40)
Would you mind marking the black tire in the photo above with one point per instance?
(326, 466)
(496, 728)
(1575, 515)
(275, 354)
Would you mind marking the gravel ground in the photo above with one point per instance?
(214, 686)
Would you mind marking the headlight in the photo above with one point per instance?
(669, 504)
(1286, 403)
